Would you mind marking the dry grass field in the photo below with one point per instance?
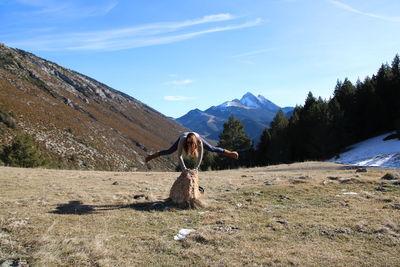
(304, 214)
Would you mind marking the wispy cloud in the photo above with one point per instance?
(180, 82)
(357, 11)
(68, 9)
(177, 98)
(133, 37)
(253, 53)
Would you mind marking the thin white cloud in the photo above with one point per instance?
(247, 62)
(180, 82)
(357, 11)
(152, 29)
(141, 41)
(35, 2)
(177, 98)
(253, 53)
(68, 9)
(133, 37)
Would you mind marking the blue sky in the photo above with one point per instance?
(177, 55)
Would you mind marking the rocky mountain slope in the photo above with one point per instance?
(255, 112)
(78, 121)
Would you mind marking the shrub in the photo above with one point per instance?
(7, 119)
(22, 152)
(190, 163)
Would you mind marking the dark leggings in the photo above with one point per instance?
(206, 145)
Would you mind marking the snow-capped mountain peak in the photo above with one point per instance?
(234, 103)
(251, 101)
(262, 99)
(255, 112)
(259, 101)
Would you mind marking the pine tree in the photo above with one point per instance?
(345, 101)
(233, 138)
(294, 135)
(263, 147)
(279, 151)
(23, 153)
(279, 124)
(395, 84)
(310, 100)
(368, 121)
(316, 130)
(208, 161)
(384, 90)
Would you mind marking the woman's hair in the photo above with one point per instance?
(191, 145)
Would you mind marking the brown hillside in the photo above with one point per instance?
(80, 122)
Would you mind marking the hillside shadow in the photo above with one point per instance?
(78, 208)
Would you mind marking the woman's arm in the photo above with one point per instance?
(231, 154)
(152, 156)
(168, 151)
(211, 148)
(225, 152)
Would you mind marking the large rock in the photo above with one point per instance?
(185, 190)
(391, 176)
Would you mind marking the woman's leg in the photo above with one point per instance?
(170, 150)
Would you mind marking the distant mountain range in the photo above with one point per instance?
(78, 121)
(255, 112)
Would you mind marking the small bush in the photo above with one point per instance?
(6, 59)
(190, 163)
(7, 119)
(23, 153)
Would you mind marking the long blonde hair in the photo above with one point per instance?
(191, 146)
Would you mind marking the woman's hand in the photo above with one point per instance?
(151, 157)
(235, 155)
(231, 154)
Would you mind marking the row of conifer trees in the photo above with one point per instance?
(320, 129)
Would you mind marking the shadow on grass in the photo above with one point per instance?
(78, 208)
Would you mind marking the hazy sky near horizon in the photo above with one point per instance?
(177, 55)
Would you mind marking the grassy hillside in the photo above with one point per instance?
(306, 214)
(80, 122)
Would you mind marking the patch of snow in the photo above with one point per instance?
(373, 152)
(203, 212)
(263, 100)
(183, 233)
(253, 101)
(233, 104)
(249, 102)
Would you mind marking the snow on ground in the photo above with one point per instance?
(373, 152)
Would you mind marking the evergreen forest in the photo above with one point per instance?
(320, 129)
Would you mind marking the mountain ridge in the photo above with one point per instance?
(80, 122)
(255, 112)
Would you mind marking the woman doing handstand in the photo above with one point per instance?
(192, 144)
